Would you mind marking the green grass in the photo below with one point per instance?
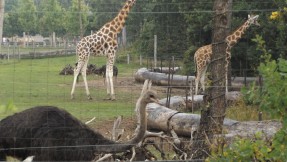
(33, 82)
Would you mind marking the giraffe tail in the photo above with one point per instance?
(195, 69)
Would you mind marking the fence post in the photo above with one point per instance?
(161, 65)
(128, 58)
(19, 56)
(260, 84)
(155, 51)
(186, 91)
(245, 75)
(260, 116)
(8, 50)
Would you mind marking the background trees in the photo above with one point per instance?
(181, 26)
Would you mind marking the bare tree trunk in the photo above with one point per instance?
(212, 115)
(2, 4)
(229, 16)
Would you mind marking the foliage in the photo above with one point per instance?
(179, 25)
(23, 20)
(73, 14)
(52, 20)
(272, 99)
(189, 66)
(102, 11)
(162, 19)
(245, 150)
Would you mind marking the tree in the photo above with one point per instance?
(2, 4)
(73, 25)
(212, 115)
(244, 55)
(271, 98)
(102, 11)
(21, 18)
(52, 18)
(163, 22)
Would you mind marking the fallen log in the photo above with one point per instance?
(166, 70)
(194, 102)
(250, 128)
(180, 80)
(161, 78)
(164, 119)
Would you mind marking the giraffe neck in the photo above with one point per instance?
(233, 38)
(119, 21)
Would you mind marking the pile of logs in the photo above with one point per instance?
(164, 119)
(164, 79)
(91, 69)
(174, 127)
(67, 70)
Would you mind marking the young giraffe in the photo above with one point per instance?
(101, 43)
(202, 56)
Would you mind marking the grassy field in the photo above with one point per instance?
(33, 82)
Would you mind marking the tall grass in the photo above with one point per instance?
(243, 112)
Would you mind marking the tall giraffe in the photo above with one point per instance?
(202, 56)
(101, 43)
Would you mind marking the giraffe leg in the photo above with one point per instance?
(226, 79)
(198, 75)
(76, 74)
(107, 84)
(202, 82)
(196, 84)
(202, 78)
(109, 81)
(84, 74)
(227, 59)
(74, 84)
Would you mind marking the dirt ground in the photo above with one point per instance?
(124, 84)
(128, 123)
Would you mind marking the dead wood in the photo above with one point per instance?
(166, 70)
(160, 78)
(180, 80)
(193, 103)
(67, 70)
(164, 119)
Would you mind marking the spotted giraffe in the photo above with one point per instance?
(101, 43)
(202, 56)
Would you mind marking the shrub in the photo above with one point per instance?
(272, 98)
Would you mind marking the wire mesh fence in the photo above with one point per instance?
(30, 66)
(30, 82)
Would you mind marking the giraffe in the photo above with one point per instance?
(101, 43)
(202, 56)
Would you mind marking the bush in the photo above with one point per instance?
(272, 98)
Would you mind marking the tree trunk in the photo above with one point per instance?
(212, 115)
(229, 17)
(2, 4)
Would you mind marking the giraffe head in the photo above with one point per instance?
(129, 4)
(252, 19)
